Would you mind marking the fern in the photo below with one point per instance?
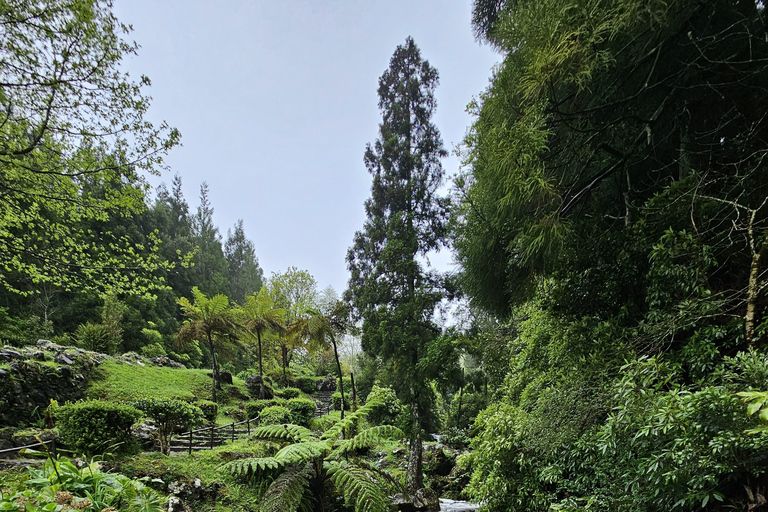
(336, 430)
(286, 492)
(244, 467)
(284, 432)
(303, 452)
(358, 487)
(366, 438)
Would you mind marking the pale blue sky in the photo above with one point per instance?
(276, 100)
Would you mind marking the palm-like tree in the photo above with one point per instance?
(323, 330)
(259, 315)
(206, 318)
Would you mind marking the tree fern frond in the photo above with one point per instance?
(386, 480)
(349, 420)
(286, 492)
(284, 432)
(303, 452)
(358, 487)
(367, 438)
(243, 467)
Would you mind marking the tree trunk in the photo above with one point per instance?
(414, 477)
(458, 413)
(354, 391)
(214, 372)
(284, 349)
(341, 377)
(261, 369)
(753, 291)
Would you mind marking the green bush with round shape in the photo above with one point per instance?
(97, 338)
(91, 427)
(254, 407)
(289, 393)
(210, 409)
(153, 350)
(307, 384)
(336, 401)
(389, 409)
(302, 409)
(170, 414)
(275, 415)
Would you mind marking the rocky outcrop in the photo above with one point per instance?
(423, 500)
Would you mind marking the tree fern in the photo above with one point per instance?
(244, 467)
(358, 487)
(285, 432)
(366, 439)
(303, 452)
(340, 426)
(285, 494)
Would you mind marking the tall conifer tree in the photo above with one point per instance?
(389, 288)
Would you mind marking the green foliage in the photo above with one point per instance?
(301, 409)
(153, 350)
(96, 337)
(389, 408)
(336, 401)
(288, 393)
(307, 384)
(275, 414)
(307, 461)
(93, 426)
(60, 485)
(169, 415)
(128, 383)
(254, 407)
(210, 409)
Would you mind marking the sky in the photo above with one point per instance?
(276, 100)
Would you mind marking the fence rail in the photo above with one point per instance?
(213, 428)
(52, 442)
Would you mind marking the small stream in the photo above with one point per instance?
(457, 506)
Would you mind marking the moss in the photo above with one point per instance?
(123, 382)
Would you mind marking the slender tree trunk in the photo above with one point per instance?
(414, 477)
(341, 377)
(753, 287)
(284, 350)
(261, 368)
(214, 372)
(354, 391)
(458, 413)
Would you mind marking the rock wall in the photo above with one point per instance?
(31, 376)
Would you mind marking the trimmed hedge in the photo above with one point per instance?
(289, 393)
(302, 410)
(254, 407)
(275, 415)
(93, 426)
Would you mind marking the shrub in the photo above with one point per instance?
(94, 426)
(306, 384)
(153, 350)
(302, 410)
(254, 407)
(288, 393)
(96, 337)
(210, 409)
(168, 414)
(275, 414)
(387, 412)
(336, 401)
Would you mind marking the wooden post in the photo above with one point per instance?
(248, 423)
(190, 442)
(212, 431)
(53, 447)
(233, 431)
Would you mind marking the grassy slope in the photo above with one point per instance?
(123, 382)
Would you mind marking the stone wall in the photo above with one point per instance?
(31, 376)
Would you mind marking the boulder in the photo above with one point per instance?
(253, 383)
(327, 384)
(424, 500)
(225, 378)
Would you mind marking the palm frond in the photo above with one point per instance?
(366, 438)
(286, 492)
(284, 432)
(359, 488)
(303, 452)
